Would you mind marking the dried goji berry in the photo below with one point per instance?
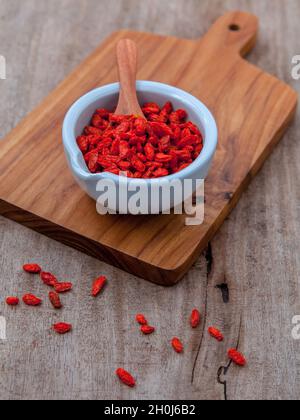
(92, 131)
(113, 171)
(115, 147)
(177, 345)
(161, 157)
(147, 330)
(183, 154)
(55, 300)
(160, 118)
(149, 151)
(140, 318)
(164, 144)
(31, 300)
(93, 161)
(142, 158)
(161, 129)
(140, 126)
(127, 143)
(83, 143)
(124, 165)
(187, 141)
(137, 164)
(160, 172)
(123, 127)
(174, 118)
(182, 114)
(63, 287)
(98, 285)
(32, 268)
(62, 328)
(215, 333)
(103, 113)
(195, 318)
(49, 279)
(237, 357)
(125, 377)
(105, 163)
(168, 108)
(151, 108)
(182, 167)
(124, 149)
(12, 301)
(137, 174)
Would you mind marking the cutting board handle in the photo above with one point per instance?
(234, 30)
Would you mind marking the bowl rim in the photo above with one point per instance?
(74, 153)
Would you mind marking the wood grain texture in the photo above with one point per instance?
(252, 110)
(256, 253)
(127, 58)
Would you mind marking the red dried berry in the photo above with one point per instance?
(215, 333)
(125, 377)
(31, 300)
(149, 152)
(32, 268)
(128, 143)
(140, 319)
(49, 279)
(124, 149)
(237, 357)
(177, 345)
(195, 318)
(63, 287)
(98, 285)
(55, 300)
(93, 161)
(62, 328)
(163, 158)
(151, 108)
(147, 330)
(12, 301)
(160, 172)
(83, 143)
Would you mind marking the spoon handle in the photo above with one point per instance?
(127, 65)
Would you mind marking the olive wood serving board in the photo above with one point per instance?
(252, 108)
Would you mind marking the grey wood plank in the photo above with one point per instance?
(255, 253)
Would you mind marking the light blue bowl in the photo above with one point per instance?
(80, 115)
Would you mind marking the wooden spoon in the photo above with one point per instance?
(127, 64)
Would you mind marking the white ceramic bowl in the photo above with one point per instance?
(80, 115)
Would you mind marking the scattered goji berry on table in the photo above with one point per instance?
(49, 279)
(55, 300)
(62, 328)
(125, 377)
(140, 319)
(63, 287)
(163, 144)
(32, 268)
(12, 301)
(215, 333)
(98, 285)
(31, 300)
(177, 345)
(147, 330)
(195, 318)
(237, 357)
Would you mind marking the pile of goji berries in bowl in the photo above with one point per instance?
(176, 141)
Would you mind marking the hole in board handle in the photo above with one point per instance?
(234, 27)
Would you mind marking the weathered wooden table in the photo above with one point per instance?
(247, 283)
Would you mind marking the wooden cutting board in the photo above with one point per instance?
(252, 109)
